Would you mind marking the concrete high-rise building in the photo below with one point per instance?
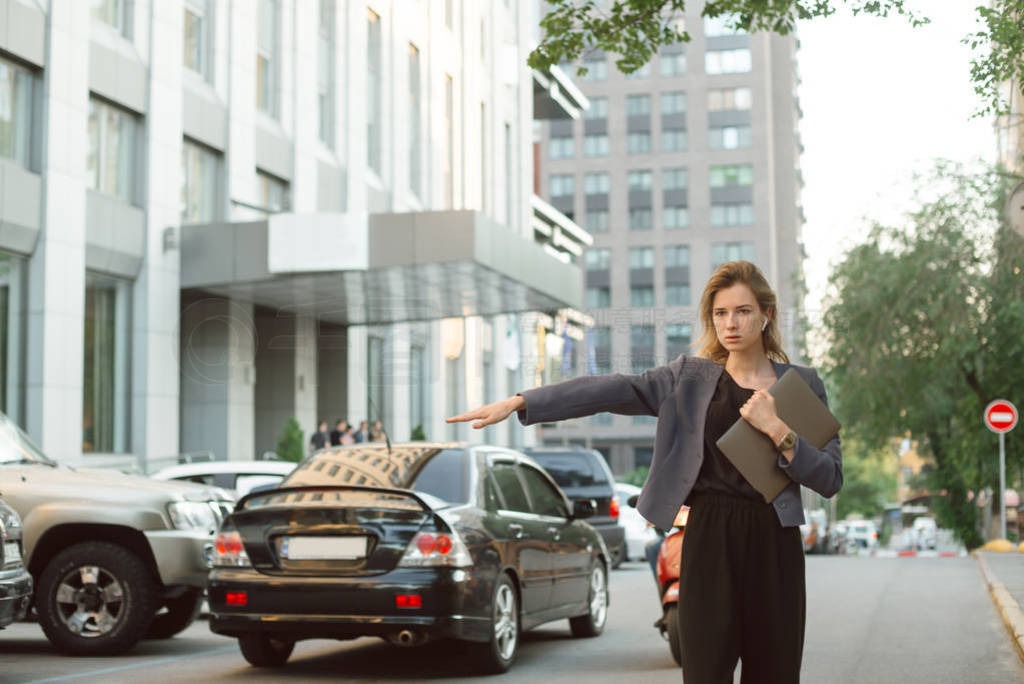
(685, 164)
(217, 215)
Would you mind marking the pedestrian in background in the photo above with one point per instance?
(338, 431)
(363, 433)
(319, 439)
(741, 589)
(348, 436)
(377, 432)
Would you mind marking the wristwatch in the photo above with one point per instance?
(788, 442)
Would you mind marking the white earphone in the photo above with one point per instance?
(764, 325)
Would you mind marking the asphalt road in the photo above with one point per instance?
(870, 621)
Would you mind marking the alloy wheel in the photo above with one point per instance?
(598, 597)
(90, 601)
(505, 623)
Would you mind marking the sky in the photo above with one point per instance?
(881, 100)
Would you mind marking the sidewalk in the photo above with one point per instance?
(1004, 574)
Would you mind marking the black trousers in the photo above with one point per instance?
(741, 594)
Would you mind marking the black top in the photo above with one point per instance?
(717, 474)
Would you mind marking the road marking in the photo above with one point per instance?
(132, 666)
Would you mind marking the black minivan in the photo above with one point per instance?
(584, 474)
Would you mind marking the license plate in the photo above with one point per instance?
(12, 552)
(323, 548)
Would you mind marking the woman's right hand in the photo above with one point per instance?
(491, 413)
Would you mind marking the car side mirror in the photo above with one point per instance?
(584, 508)
(632, 501)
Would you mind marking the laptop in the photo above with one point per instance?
(752, 451)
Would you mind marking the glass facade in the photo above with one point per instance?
(195, 53)
(106, 385)
(199, 181)
(266, 57)
(13, 312)
(16, 86)
(110, 164)
(374, 86)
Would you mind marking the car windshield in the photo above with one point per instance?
(16, 447)
(571, 469)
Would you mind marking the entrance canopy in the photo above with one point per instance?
(362, 269)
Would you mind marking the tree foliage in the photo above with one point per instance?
(289, 441)
(635, 29)
(924, 329)
(869, 479)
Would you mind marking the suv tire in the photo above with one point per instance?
(95, 598)
(181, 612)
(261, 650)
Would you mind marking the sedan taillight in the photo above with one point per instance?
(436, 549)
(228, 550)
(613, 508)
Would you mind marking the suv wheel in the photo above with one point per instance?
(95, 597)
(181, 612)
(263, 651)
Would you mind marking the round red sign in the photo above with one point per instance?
(1000, 415)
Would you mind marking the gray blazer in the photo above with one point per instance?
(679, 394)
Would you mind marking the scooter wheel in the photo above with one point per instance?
(675, 644)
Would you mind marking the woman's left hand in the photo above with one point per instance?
(759, 411)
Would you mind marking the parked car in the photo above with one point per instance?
(15, 582)
(584, 474)
(410, 543)
(638, 531)
(862, 534)
(113, 557)
(238, 477)
(926, 532)
(814, 531)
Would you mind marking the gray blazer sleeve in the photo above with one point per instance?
(818, 469)
(629, 395)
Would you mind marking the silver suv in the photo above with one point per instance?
(114, 557)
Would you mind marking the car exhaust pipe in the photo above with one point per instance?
(407, 637)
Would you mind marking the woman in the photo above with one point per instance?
(742, 584)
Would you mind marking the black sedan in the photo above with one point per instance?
(410, 543)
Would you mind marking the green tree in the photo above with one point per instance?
(289, 441)
(417, 434)
(869, 479)
(635, 29)
(636, 477)
(924, 329)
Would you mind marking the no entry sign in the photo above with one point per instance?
(1000, 416)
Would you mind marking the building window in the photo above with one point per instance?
(674, 217)
(677, 256)
(723, 176)
(597, 70)
(106, 386)
(16, 97)
(729, 99)
(325, 73)
(638, 105)
(374, 77)
(673, 140)
(599, 297)
(677, 339)
(562, 184)
(110, 165)
(677, 295)
(722, 252)
(642, 456)
(197, 18)
(273, 192)
(673, 65)
(639, 180)
(640, 219)
(638, 143)
(598, 259)
(600, 338)
(267, 58)
(641, 295)
(674, 179)
(643, 72)
(375, 387)
(728, 137)
(673, 103)
(641, 257)
(13, 271)
(596, 183)
(116, 13)
(722, 25)
(597, 221)
(417, 386)
(595, 145)
(199, 173)
(732, 214)
(561, 147)
(598, 108)
(727, 61)
(449, 141)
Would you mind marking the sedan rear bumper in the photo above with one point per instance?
(455, 604)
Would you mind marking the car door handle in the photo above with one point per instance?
(556, 534)
(516, 530)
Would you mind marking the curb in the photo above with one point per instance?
(891, 553)
(1008, 609)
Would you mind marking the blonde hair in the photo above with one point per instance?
(725, 276)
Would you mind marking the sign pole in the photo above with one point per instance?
(1002, 485)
